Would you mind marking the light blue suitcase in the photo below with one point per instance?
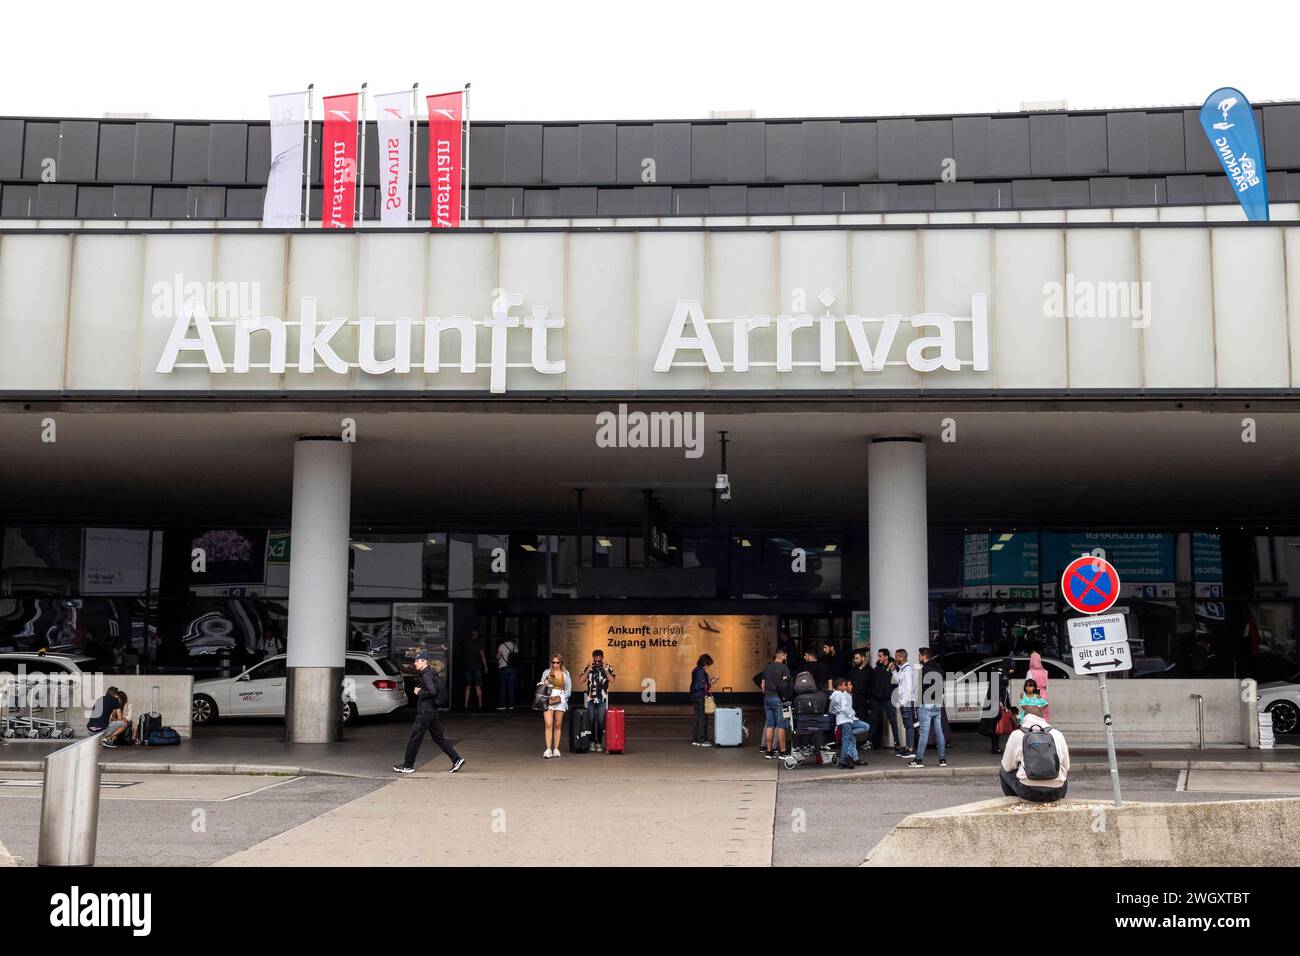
(728, 731)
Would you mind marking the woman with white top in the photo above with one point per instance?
(561, 686)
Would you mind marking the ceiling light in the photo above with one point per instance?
(744, 543)
(830, 547)
(361, 547)
(528, 547)
(605, 542)
(1005, 537)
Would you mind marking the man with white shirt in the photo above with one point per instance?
(1036, 761)
(906, 705)
(507, 668)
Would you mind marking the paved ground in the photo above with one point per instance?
(662, 803)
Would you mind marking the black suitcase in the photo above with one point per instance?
(149, 721)
(579, 730)
(804, 683)
(818, 702)
(808, 723)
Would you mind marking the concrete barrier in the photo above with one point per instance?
(5, 858)
(1093, 833)
(175, 693)
(1156, 712)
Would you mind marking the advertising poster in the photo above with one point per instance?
(114, 561)
(1145, 562)
(422, 628)
(664, 647)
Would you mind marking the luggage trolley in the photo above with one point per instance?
(13, 700)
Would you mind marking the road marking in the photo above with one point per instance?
(269, 786)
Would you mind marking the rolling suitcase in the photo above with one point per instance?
(615, 730)
(579, 731)
(728, 731)
(151, 721)
(816, 702)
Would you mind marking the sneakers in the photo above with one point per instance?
(107, 743)
(705, 743)
(916, 763)
(596, 748)
(943, 762)
(398, 768)
(457, 764)
(547, 753)
(906, 755)
(847, 764)
(769, 755)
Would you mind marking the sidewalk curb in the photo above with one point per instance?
(927, 773)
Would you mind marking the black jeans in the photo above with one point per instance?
(882, 716)
(426, 719)
(1012, 787)
(701, 734)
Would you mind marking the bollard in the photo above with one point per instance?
(1200, 719)
(70, 805)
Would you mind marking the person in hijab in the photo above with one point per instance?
(1039, 674)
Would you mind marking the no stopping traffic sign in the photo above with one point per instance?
(1090, 584)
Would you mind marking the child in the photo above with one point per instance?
(846, 721)
(1031, 697)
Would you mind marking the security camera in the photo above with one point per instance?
(726, 494)
(722, 484)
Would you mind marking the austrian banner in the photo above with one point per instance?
(1229, 123)
(446, 115)
(338, 154)
(393, 121)
(282, 207)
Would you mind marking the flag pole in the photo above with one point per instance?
(306, 173)
(415, 148)
(465, 161)
(361, 178)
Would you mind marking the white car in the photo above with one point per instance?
(30, 662)
(371, 686)
(1282, 700)
(964, 696)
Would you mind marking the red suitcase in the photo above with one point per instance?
(615, 730)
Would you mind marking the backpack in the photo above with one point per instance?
(163, 737)
(1040, 759)
(513, 659)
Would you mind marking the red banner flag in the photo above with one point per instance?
(446, 114)
(338, 152)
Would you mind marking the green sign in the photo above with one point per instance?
(861, 629)
(277, 547)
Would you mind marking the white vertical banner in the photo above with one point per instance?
(282, 207)
(393, 122)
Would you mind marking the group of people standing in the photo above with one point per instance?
(597, 678)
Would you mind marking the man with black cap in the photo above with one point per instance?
(426, 718)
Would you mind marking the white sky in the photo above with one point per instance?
(635, 59)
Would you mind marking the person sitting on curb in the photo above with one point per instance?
(1036, 760)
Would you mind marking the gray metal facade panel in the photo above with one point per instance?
(728, 201)
(190, 153)
(954, 195)
(523, 156)
(1049, 150)
(56, 201)
(597, 153)
(859, 152)
(1087, 142)
(116, 153)
(560, 155)
(1199, 153)
(671, 149)
(132, 202)
(933, 147)
(169, 202)
(257, 162)
(745, 152)
(972, 147)
(652, 200)
(95, 202)
(616, 201)
(244, 203)
(228, 152)
(153, 152)
(633, 144)
(541, 203)
(1123, 191)
(691, 201)
(1009, 146)
(822, 142)
(1165, 148)
(709, 154)
(11, 148)
(897, 149)
(487, 155)
(18, 201)
(78, 150)
(1126, 143)
(784, 158)
(1282, 135)
(40, 143)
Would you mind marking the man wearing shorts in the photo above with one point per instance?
(777, 687)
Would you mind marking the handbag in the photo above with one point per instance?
(710, 705)
(542, 695)
(1006, 723)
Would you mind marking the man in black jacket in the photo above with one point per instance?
(882, 701)
(860, 675)
(427, 693)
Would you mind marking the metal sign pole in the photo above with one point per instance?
(1110, 738)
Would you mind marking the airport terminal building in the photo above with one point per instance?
(935, 357)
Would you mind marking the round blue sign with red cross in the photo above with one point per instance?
(1090, 584)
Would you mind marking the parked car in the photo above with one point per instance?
(32, 662)
(371, 686)
(1282, 700)
(964, 695)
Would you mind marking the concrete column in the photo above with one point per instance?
(898, 546)
(318, 589)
